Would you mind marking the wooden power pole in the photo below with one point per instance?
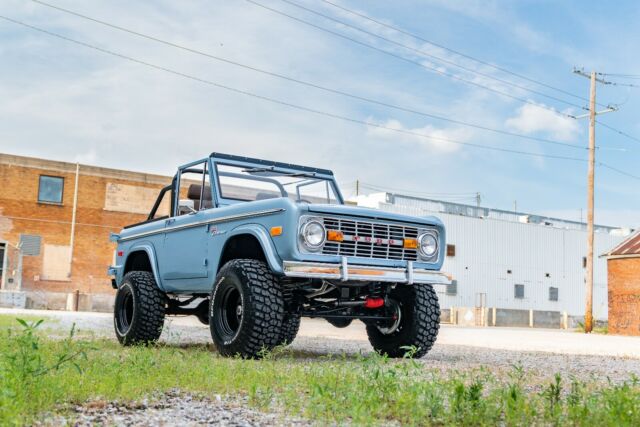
(588, 312)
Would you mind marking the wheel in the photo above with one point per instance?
(139, 310)
(247, 309)
(290, 327)
(416, 322)
(339, 322)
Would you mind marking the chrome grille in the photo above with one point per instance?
(373, 240)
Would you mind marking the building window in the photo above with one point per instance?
(553, 294)
(451, 250)
(50, 189)
(452, 288)
(518, 291)
(30, 244)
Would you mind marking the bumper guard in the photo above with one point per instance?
(345, 272)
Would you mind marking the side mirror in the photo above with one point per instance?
(186, 207)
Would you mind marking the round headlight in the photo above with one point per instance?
(313, 233)
(428, 245)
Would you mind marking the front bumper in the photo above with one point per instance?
(346, 272)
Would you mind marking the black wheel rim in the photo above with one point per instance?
(230, 312)
(125, 309)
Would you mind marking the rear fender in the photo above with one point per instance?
(153, 260)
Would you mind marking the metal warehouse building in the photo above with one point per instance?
(514, 262)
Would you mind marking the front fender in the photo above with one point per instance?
(153, 260)
(263, 237)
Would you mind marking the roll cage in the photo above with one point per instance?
(259, 170)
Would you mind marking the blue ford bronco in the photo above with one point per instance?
(250, 246)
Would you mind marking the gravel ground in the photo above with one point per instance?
(171, 409)
(594, 357)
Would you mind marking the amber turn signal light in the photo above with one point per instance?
(410, 243)
(335, 236)
(276, 231)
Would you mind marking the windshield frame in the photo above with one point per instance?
(268, 167)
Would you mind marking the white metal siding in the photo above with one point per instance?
(486, 248)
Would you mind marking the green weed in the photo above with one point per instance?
(40, 375)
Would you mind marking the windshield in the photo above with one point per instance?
(249, 183)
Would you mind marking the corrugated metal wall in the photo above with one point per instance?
(492, 255)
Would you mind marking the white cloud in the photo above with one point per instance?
(442, 139)
(531, 119)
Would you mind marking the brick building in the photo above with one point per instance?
(623, 263)
(55, 220)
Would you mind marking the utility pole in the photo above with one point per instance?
(588, 313)
(478, 199)
(357, 187)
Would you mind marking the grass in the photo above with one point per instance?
(40, 375)
(598, 328)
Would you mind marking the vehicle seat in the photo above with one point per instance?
(194, 194)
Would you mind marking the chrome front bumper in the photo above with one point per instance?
(345, 272)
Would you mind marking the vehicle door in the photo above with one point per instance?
(183, 261)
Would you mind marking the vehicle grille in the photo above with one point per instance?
(374, 240)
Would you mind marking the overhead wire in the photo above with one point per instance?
(307, 83)
(456, 52)
(430, 55)
(618, 131)
(411, 61)
(295, 106)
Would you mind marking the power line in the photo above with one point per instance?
(480, 61)
(402, 58)
(624, 76)
(618, 131)
(310, 84)
(291, 105)
(624, 84)
(430, 55)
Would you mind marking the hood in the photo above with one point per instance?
(370, 213)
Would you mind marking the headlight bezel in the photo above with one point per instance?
(302, 234)
(436, 244)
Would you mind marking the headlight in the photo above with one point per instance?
(313, 234)
(428, 245)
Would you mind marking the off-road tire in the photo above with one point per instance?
(251, 284)
(290, 327)
(419, 322)
(139, 309)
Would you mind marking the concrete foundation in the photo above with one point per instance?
(486, 316)
(13, 299)
(66, 301)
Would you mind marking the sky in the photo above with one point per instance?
(65, 101)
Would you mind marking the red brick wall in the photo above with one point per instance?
(21, 213)
(624, 296)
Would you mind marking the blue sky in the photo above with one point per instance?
(63, 101)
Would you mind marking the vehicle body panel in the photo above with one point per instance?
(185, 251)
